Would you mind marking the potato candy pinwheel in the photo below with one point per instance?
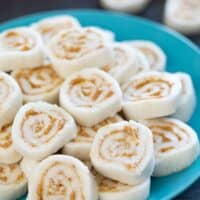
(125, 65)
(176, 145)
(49, 27)
(20, 48)
(151, 95)
(153, 53)
(41, 83)
(13, 183)
(183, 15)
(10, 99)
(81, 145)
(40, 129)
(90, 96)
(113, 190)
(125, 5)
(62, 177)
(187, 102)
(71, 51)
(123, 152)
(8, 153)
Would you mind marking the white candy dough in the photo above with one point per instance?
(81, 145)
(125, 62)
(134, 6)
(49, 27)
(176, 145)
(123, 152)
(151, 95)
(113, 190)
(8, 154)
(183, 15)
(20, 48)
(13, 183)
(28, 166)
(187, 101)
(90, 96)
(62, 177)
(41, 83)
(40, 129)
(73, 50)
(10, 98)
(108, 35)
(153, 53)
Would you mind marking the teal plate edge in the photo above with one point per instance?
(182, 55)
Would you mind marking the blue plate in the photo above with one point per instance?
(182, 56)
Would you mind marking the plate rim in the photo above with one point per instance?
(156, 25)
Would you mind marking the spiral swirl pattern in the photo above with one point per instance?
(18, 40)
(37, 81)
(128, 147)
(62, 177)
(89, 90)
(40, 127)
(11, 174)
(149, 86)
(5, 137)
(168, 135)
(74, 44)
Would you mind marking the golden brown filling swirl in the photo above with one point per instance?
(188, 10)
(89, 91)
(60, 181)
(18, 40)
(75, 44)
(87, 134)
(168, 136)
(39, 127)
(5, 136)
(124, 146)
(38, 80)
(11, 174)
(153, 87)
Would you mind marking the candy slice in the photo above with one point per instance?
(90, 96)
(123, 152)
(40, 129)
(8, 155)
(81, 145)
(71, 51)
(49, 27)
(151, 95)
(41, 83)
(125, 5)
(13, 183)
(114, 190)
(10, 98)
(176, 145)
(125, 65)
(183, 15)
(187, 101)
(62, 177)
(153, 53)
(20, 48)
